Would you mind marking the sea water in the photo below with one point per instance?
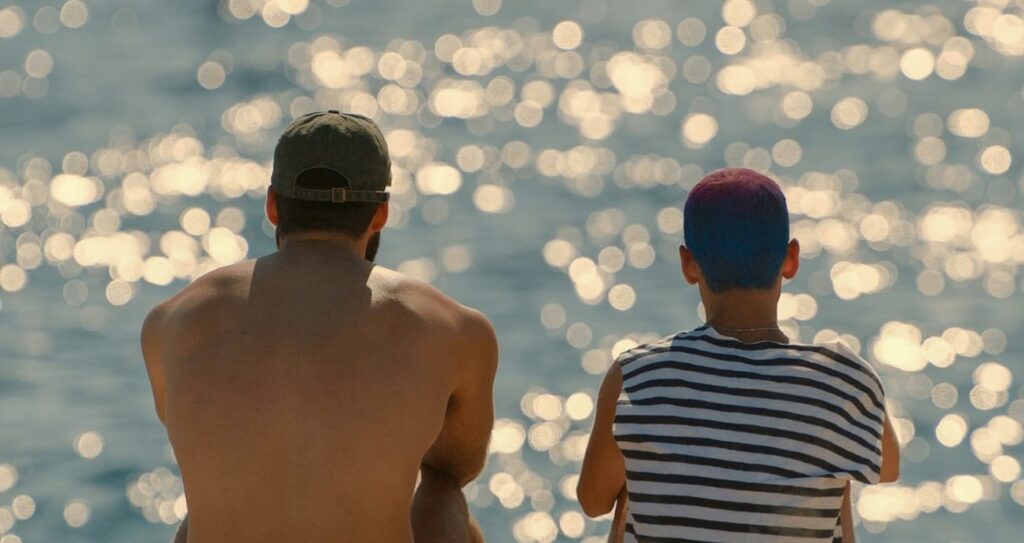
(542, 152)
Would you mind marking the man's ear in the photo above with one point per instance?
(791, 265)
(271, 206)
(691, 270)
(380, 218)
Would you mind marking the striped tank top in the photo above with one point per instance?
(728, 441)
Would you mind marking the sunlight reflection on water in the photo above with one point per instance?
(532, 119)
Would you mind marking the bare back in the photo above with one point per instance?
(302, 391)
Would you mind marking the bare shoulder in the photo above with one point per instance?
(465, 324)
(208, 295)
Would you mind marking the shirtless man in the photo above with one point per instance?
(303, 392)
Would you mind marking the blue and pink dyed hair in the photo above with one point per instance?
(736, 225)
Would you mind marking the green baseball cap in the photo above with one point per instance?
(349, 144)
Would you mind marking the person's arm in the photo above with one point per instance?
(460, 450)
(439, 510)
(618, 532)
(151, 355)
(890, 470)
(181, 535)
(846, 517)
(603, 476)
(151, 331)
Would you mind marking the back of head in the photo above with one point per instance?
(296, 216)
(331, 172)
(737, 226)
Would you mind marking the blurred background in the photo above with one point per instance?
(542, 151)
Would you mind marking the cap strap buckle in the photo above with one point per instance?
(339, 195)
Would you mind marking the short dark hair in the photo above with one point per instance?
(737, 226)
(298, 216)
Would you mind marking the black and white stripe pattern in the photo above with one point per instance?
(740, 442)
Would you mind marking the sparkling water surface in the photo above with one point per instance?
(542, 153)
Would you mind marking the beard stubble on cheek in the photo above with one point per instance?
(372, 246)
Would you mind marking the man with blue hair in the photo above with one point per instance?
(731, 432)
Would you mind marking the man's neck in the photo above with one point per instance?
(744, 312)
(319, 241)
